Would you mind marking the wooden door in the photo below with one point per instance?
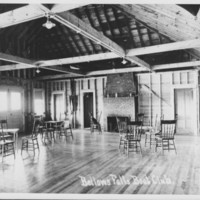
(184, 108)
(58, 106)
(87, 108)
(11, 107)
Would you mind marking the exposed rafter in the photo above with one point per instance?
(68, 20)
(86, 30)
(60, 14)
(169, 20)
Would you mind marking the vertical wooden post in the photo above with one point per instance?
(95, 93)
(196, 101)
(160, 91)
(150, 98)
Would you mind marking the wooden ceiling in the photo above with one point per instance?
(94, 39)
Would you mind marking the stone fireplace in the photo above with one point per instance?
(119, 99)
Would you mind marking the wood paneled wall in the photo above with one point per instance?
(156, 94)
(95, 85)
(28, 86)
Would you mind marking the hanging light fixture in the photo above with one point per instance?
(124, 61)
(49, 24)
(37, 70)
(75, 68)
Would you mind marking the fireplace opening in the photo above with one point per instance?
(112, 122)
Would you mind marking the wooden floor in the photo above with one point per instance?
(91, 163)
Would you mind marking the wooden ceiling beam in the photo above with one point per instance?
(53, 68)
(23, 63)
(133, 69)
(181, 45)
(20, 15)
(15, 59)
(65, 70)
(94, 73)
(80, 59)
(177, 65)
(15, 67)
(139, 62)
(130, 53)
(57, 8)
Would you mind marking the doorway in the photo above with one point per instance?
(39, 102)
(11, 107)
(87, 108)
(184, 109)
(58, 106)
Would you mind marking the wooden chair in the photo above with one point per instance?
(66, 129)
(58, 127)
(48, 131)
(165, 139)
(31, 142)
(4, 126)
(122, 129)
(95, 123)
(140, 117)
(7, 146)
(153, 131)
(133, 137)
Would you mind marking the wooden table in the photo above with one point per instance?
(51, 127)
(52, 123)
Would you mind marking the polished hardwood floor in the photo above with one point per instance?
(91, 163)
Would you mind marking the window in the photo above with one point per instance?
(15, 100)
(3, 101)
